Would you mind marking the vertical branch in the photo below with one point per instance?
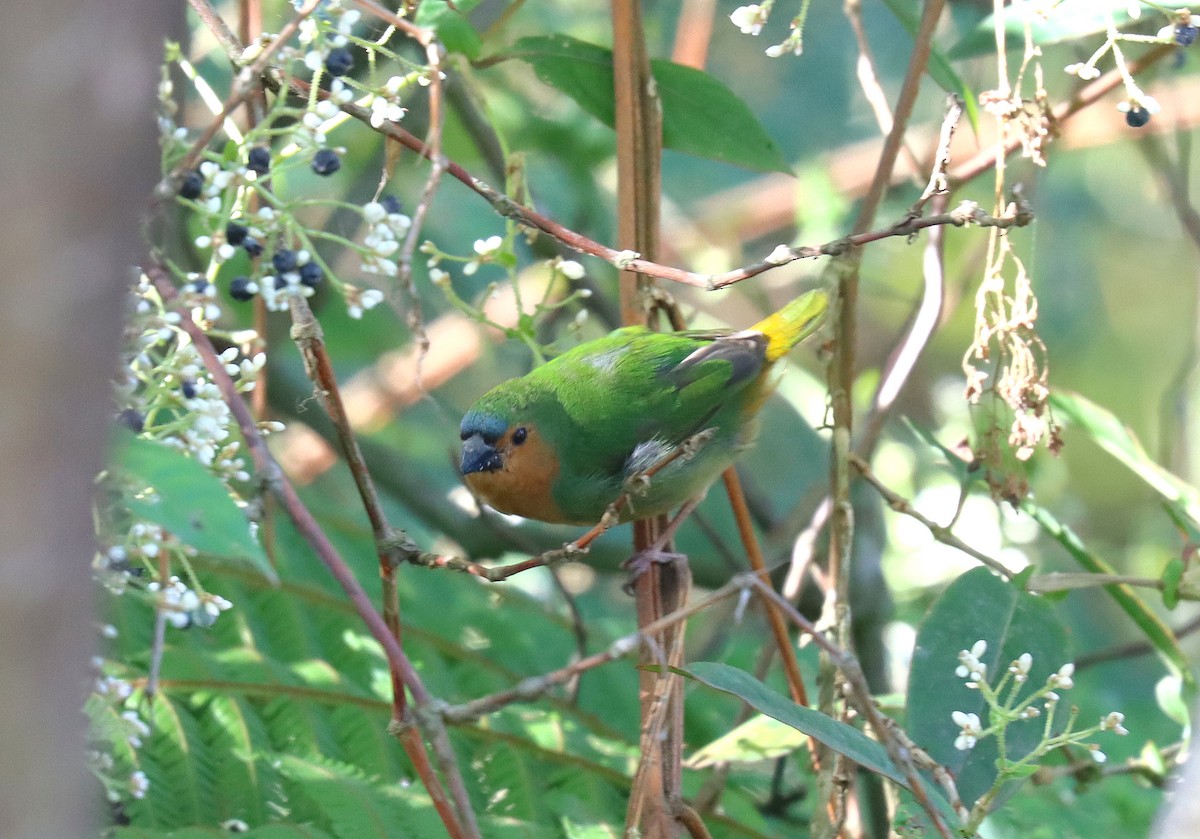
(662, 588)
(841, 379)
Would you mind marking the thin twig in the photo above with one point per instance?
(868, 79)
(787, 650)
(1132, 649)
(1085, 96)
(859, 696)
(943, 534)
(274, 479)
(245, 83)
(532, 688)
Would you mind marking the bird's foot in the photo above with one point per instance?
(643, 561)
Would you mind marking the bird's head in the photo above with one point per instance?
(508, 462)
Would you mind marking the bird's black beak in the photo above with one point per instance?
(479, 456)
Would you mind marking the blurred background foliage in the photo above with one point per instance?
(1117, 283)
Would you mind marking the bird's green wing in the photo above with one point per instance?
(636, 386)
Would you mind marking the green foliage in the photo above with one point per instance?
(978, 606)
(838, 736)
(275, 717)
(187, 500)
(701, 116)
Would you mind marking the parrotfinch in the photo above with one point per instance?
(563, 442)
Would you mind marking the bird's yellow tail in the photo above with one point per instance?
(793, 323)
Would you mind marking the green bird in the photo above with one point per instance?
(563, 442)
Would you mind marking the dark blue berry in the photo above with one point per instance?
(189, 389)
(339, 62)
(279, 283)
(259, 160)
(239, 289)
(1185, 34)
(191, 185)
(236, 233)
(1136, 117)
(326, 162)
(252, 246)
(132, 419)
(284, 260)
(311, 274)
(392, 204)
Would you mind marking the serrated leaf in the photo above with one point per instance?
(1069, 19)
(192, 503)
(758, 738)
(978, 606)
(701, 116)
(1116, 438)
(842, 738)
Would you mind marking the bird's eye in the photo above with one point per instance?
(519, 436)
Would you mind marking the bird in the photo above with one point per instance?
(653, 417)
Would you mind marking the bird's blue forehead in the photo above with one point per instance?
(488, 426)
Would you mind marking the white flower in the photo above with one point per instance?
(971, 728)
(969, 665)
(138, 784)
(1098, 755)
(1020, 667)
(384, 109)
(374, 212)
(1062, 679)
(488, 246)
(749, 19)
(571, 269)
(1112, 722)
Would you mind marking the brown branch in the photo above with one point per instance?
(273, 478)
(899, 748)
(787, 650)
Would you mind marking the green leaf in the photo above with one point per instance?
(758, 738)
(451, 25)
(978, 606)
(1069, 19)
(1016, 770)
(842, 738)
(1117, 439)
(1171, 576)
(192, 503)
(1158, 633)
(701, 116)
(939, 67)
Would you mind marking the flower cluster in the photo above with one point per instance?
(1004, 706)
(751, 19)
(1137, 106)
(386, 225)
(182, 607)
